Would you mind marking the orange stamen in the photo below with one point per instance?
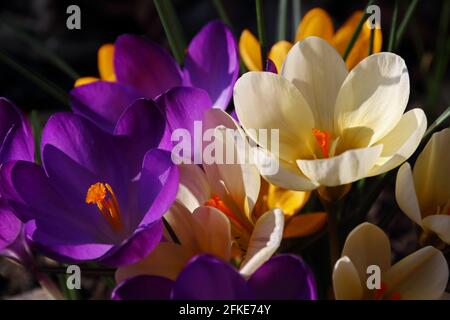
(217, 203)
(103, 196)
(323, 140)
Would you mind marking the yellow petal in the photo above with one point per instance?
(106, 62)
(278, 53)
(360, 49)
(346, 281)
(85, 80)
(288, 200)
(304, 225)
(439, 224)
(421, 275)
(250, 51)
(316, 22)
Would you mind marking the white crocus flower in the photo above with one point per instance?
(335, 126)
(424, 193)
(421, 275)
(215, 213)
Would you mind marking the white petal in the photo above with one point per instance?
(347, 167)
(421, 275)
(432, 172)
(265, 100)
(181, 220)
(346, 281)
(281, 173)
(439, 224)
(372, 99)
(367, 245)
(402, 141)
(405, 194)
(193, 190)
(264, 241)
(318, 71)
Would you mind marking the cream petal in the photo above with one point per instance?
(367, 245)
(401, 142)
(167, 260)
(347, 167)
(265, 100)
(236, 179)
(315, 68)
(264, 241)
(181, 222)
(432, 172)
(281, 173)
(193, 189)
(405, 194)
(439, 224)
(212, 232)
(372, 99)
(346, 281)
(421, 275)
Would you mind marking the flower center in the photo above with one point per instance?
(103, 196)
(323, 140)
(383, 294)
(217, 203)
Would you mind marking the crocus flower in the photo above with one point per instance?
(135, 67)
(335, 127)
(424, 193)
(208, 278)
(206, 195)
(97, 196)
(318, 23)
(421, 275)
(17, 143)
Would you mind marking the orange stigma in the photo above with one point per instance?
(383, 294)
(323, 140)
(217, 203)
(103, 196)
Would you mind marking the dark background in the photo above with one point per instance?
(103, 20)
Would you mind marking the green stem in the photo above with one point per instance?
(392, 34)
(261, 29)
(169, 29)
(282, 13)
(297, 14)
(222, 12)
(176, 24)
(406, 19)
(357, 31)
(38, 80)
(436, 124)
(372, 38)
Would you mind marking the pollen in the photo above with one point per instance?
(102, 195)
(323, 140)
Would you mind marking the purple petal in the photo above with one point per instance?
(140, 63)
(16, 137)
(212, 62)
(10, 226)
(157, 186)
(183, 106)
(208, 278)
(283, 277)
(49, 220)
(143, 288)
(137, 247)
(103, 102)
(140, 128)
(271, 67)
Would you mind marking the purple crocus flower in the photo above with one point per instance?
(143, 69)
(17, 143)
(97, 196)
(208, 278)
